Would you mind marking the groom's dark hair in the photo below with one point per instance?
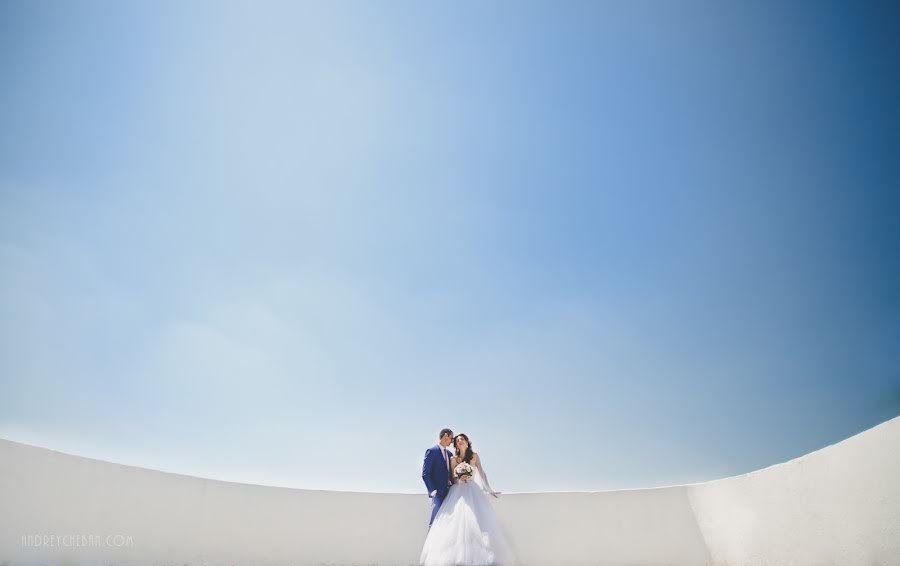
(445, 431)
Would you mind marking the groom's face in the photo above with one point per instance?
(445, 440)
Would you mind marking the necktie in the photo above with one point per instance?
(446, 461)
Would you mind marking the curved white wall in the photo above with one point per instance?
(838, 505)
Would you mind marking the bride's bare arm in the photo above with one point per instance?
(453, 463)
(476, 461)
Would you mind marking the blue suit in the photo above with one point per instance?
(436, 476)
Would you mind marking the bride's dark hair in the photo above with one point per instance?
(467, 457)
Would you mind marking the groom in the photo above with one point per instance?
(436, 471)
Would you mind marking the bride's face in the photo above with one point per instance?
(461, 444)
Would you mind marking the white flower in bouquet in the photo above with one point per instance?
(463, 469)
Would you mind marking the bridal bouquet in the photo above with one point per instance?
(463, 469)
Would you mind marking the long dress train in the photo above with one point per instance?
(466, 530)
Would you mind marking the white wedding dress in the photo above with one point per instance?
(466, 530)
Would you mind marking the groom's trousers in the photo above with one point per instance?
(436, 504)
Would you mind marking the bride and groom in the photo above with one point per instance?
(464, 528)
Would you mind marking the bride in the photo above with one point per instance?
(466, 530)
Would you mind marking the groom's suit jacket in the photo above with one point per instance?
(435, 473)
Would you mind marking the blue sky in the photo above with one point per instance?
(624, 244)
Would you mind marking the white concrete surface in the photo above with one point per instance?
(839, 505)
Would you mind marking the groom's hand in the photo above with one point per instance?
(433, 493)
